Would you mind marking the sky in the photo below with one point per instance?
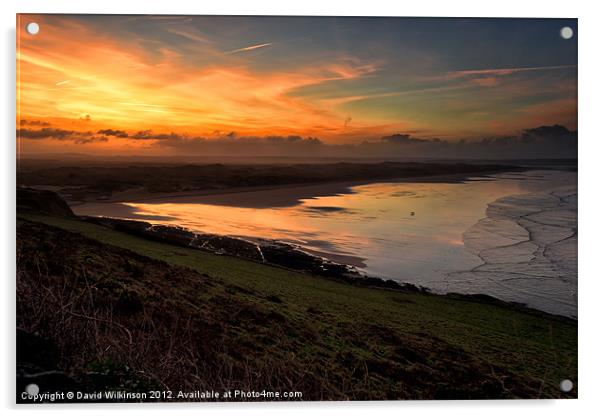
(153, 85)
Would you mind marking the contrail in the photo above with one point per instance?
(249, 48)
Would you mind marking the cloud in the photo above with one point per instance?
(90, 139)
(350, 69)
(486, 81)
(556, 136)
(547, 141)
(53, 133)
(275, 139)
(26, 122)
(186, 79)
(173, 139)
(113, 132)
(249, 48)
(77, 137)
(199, 78)
(402, 139)
(193, 36)
(150, 135)
(507, 71)
(542, 142)
(493, 77)
(231, 143)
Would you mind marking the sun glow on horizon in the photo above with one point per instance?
(168, 77)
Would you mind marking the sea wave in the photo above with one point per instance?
(528, 248)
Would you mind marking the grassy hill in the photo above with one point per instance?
(120, 311)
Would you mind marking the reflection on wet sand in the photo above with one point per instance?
(410, 232)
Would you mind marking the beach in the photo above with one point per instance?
(419, 231)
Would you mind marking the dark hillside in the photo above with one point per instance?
(116, 318)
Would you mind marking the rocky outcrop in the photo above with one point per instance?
(42, 201)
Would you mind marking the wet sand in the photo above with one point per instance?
(527, 245)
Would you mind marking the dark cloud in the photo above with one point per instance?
(402, 139)
(76, 137)
(59, 134)
(291, 139)
(542, 142)
(150, 135)
(27, 122)
(407, 139)
(557, 134)
(113, 132)
(90, 139)
(232, 144)
(175, 140)
(143, 135)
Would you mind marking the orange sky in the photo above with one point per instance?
(175, 75)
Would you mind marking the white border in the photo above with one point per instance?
(590, 179)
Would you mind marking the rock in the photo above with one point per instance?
(42, 201)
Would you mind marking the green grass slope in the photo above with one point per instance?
(180, 318)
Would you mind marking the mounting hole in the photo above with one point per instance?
(566, 32)
(566, 385)
(32, 389)
(32, 28)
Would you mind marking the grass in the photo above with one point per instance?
(337, 341)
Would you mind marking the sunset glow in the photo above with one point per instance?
(129, 83)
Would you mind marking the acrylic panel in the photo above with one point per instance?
(295, 208)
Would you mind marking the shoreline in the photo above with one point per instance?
(259, 250)
(302, 262)
(545, 239)
(330, 187)
(478, 298)
(311, 189)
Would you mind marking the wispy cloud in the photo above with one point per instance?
(507, 71)
(249, 48)
(190, 35)
(489, 77)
